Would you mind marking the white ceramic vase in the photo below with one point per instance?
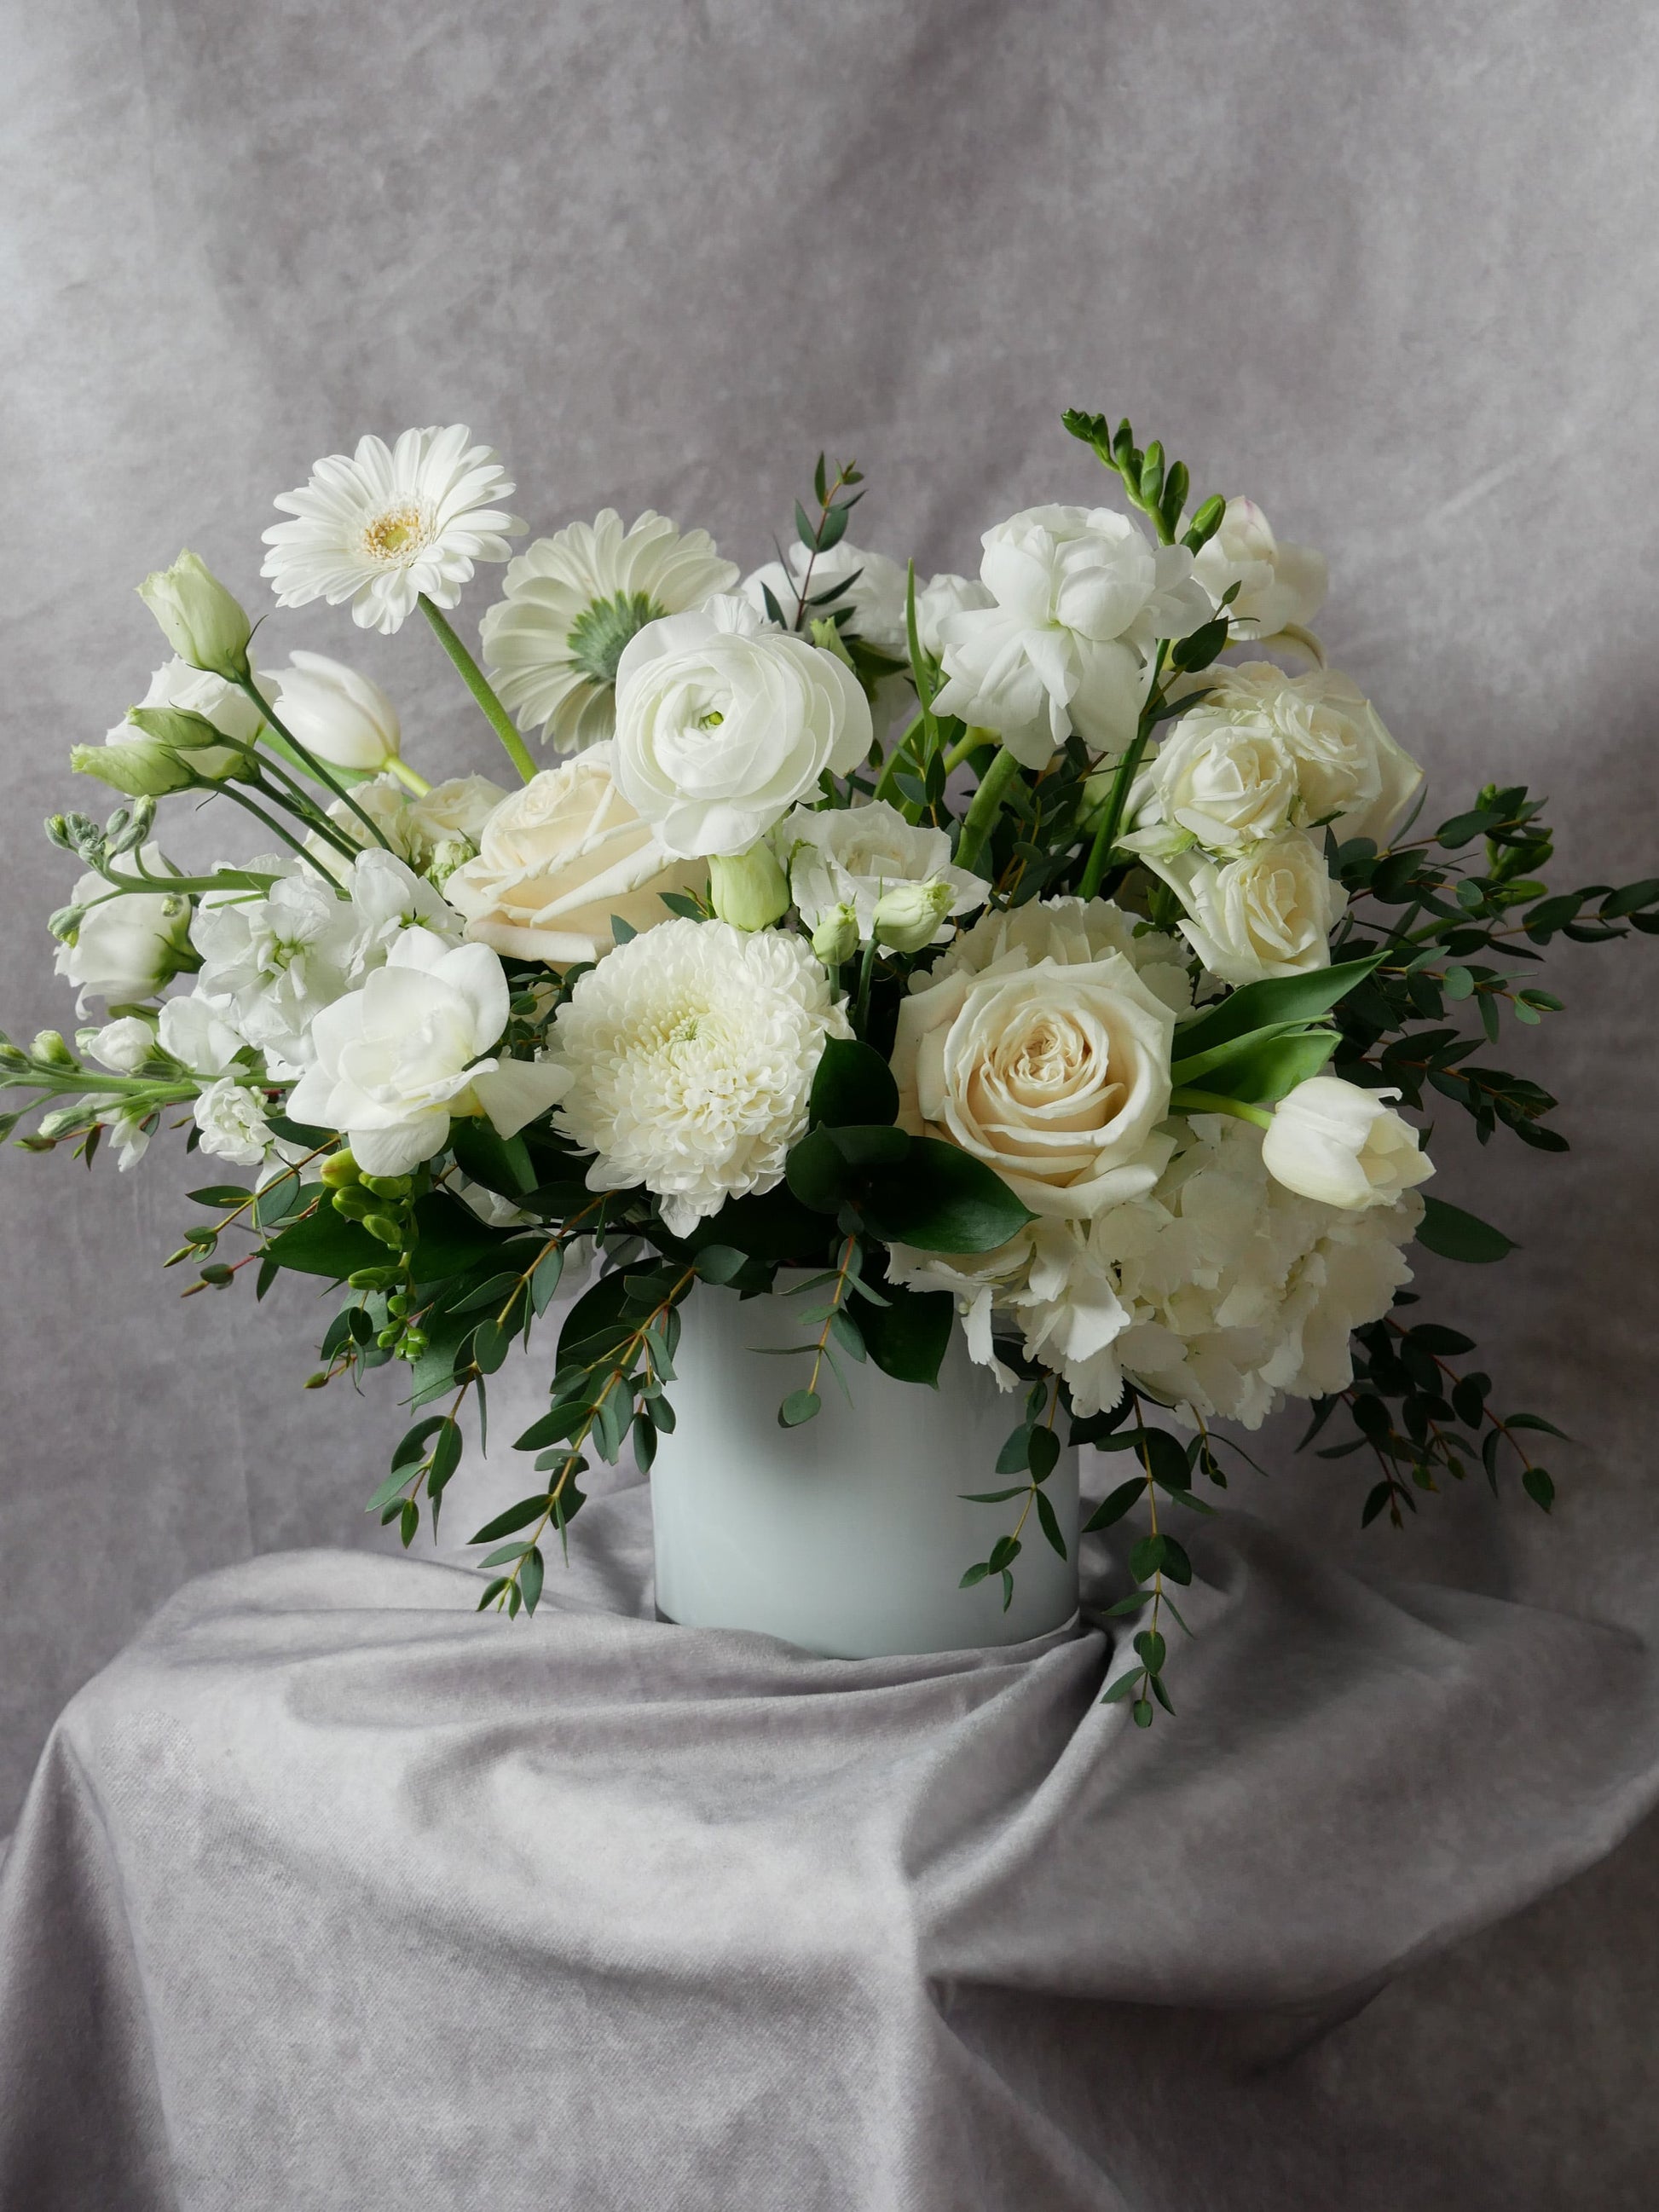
(847, 1537)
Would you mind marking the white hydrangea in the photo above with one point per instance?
(690, 1053)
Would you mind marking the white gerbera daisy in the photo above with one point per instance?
(382, 526)
(573, 602)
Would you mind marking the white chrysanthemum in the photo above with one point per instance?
(573, 602)
(691, 1053)
(384, 524)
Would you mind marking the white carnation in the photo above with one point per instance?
(690, 1053)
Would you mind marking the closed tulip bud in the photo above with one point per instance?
(907, 917)
(748, 889)
(200, 619)
(1331, 1141)
(836, 937)
(333, 712)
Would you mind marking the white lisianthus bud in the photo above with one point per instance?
(1331, 1141)
(748, 889)
(908, 916)
(835, 938)
(202, 624)
(123, 1047)
(340, 716)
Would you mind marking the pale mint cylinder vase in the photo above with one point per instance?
(848, 1535)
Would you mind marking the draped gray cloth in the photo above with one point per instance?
(330, 1892)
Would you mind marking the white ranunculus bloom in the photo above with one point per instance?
(875, 601)
(855, 856)
(1344, 1146)
(197, 1031)
(130, 944)
(1349, 770)
(398, 1059)
(1055, 1073)
(1279, 586)
(690, 1054)
(557, 858)
(1080, 600)
(1270, 912)
(384, 525)
(942, 595)
(1224, 780)
(232, 1120)
(341, 717)
(722, 723)
(123, 1047)
(574, 600)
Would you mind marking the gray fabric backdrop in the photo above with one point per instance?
(1391, 271)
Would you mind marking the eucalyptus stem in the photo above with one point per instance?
(307, 759)
(986, 805)
(473, 677)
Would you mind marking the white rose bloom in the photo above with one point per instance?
(690, 1054)
(1346, 1146)
(557, 858)
(1268, 913)
(129, 943)
(1070, 929)
(1080, 600)
(876, 599)
(573, 602)
(232, 1120)
(1280, 587)
(196, 1032)
(1225, 780)
(122, 1046)
(722, 723)
(341, 717)
(1055, 1074)
(398, 1059)
(853, 856)
(1349, 770)
(942, 595)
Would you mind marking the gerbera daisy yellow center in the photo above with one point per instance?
(396, 534)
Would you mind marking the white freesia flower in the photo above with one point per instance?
(196, 1032)
(1280, 587)
(341, 717)
(128, 944)
(723, 723)
(1080, 598)
(942, 595)
(855, 856)
(690, 1054)
(385, 524)
(1268, 913)
(232, 1120)
(398, 1059)
(574, 600)
(123, 1045)
(1344, 1146)
(875, 600)
(130, 1134)
(557, 858)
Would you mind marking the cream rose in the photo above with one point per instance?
(1277, 585)
(1268, 913)
(1055, 1074)
(1224, 779)
(1348, 769)
(557, 859)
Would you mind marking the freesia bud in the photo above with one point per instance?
(907, 917)
(1331, 1141)
(836, 937)
(202, 624)
(748, 889)
(50, 1051)
(340, 716)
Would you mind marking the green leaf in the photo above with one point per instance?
(1434, 1338)
(530, 1579)
(1147, 1558)
(1265, 1005)
(1536, 1421)
(772, 1227)
(515, 1518)
(1258, 1072)
(221, 1194)
(491, 1343)
(908, 1336)
(993, 1497)
(1539, 1487)
(818, 1174)
(1049, 1521)
(1150, 1651)
(976, 1574)
(875, 1147)
(412, 1445)
(502, 1164)
(504, 1553)
(1015, 1457)
(394, 1486)
(1045, 1454)
(1176, 1566)
(447, 1452)
(800, 1406)
(1115, 1504)
(943, 1201)
(854, 1085)
(718, 1263)
(324, 1243)
(545, 1279)
(451, 1240)
(1454, 1234)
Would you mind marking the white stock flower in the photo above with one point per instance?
(942, 595)
(387, 897)
(690, 1054)
(1280, 587)
(875, 600)
(196, 1032)
(232, 1120)
(557, 858)
(341, 717)
(723, 723)
(385, 524)
(855, 856)
(129, 943)
(1349, 770)
(1268, 913)
(1080, 598)
(398, 1059)
(1347, 1147)
(572, 602)
(123, 1045)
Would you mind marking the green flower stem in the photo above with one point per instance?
(1185, 1100)
(294, 798)
(412, 779)
(861, 1008)
(313, 767)
(895, 759)
(252, 806)
(987, 804)
(251, 880)
(473, 677)
(970, 742)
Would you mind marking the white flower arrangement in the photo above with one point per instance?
(1077, 1011)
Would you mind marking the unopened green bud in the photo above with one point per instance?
(352, 1204)
(126, 830)
(836, 937)
(65, 923)
(827, 636)
(748, 889)
(388, 1186)
(57, 830)
(199, 744)
(448, 854)
(338, 1170)
(142, 770)
(202, 623)
(907, 917)
(50, 1049)
(384, 1230)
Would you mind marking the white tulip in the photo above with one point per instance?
(1331, 1141)
(1268, 913)
(723, 724)
(128, 945)
(1279, 586)
(398, 1059)
(341, 717)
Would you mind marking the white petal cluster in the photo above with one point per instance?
(690, 1054)
(855, 857)
(176, 683)
(341, 717)
(384, 524)
(723, 723)
(414, 825)
(128, 945)
(1079, 599)
(870, 587)
(1280, 586)
(942, 595)
(572, 601)
(1270, 912)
